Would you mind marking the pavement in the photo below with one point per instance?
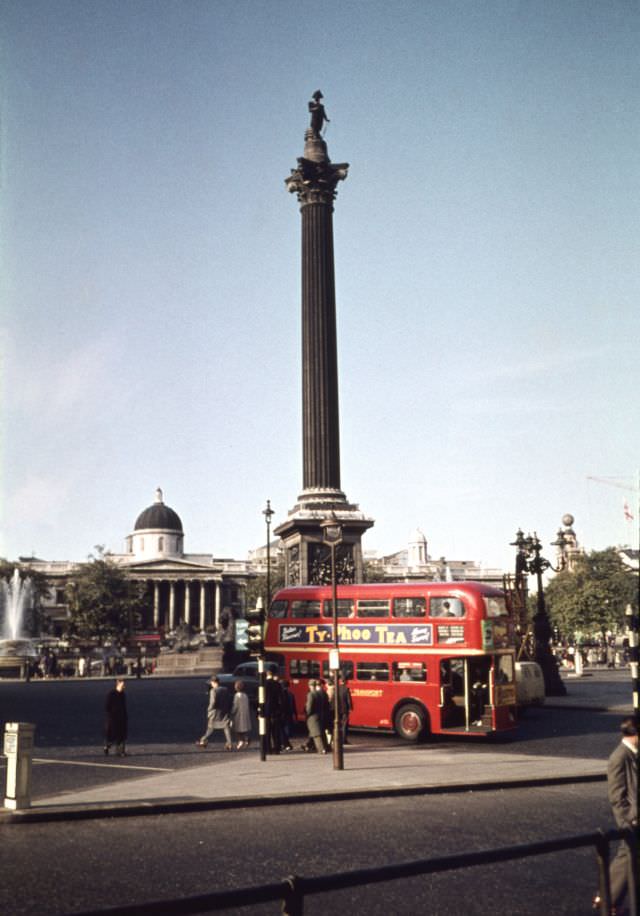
(241, 779)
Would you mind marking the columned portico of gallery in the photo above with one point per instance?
(194, 601)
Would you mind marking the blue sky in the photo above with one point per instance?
(486, 267)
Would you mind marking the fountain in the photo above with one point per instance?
(16, 650)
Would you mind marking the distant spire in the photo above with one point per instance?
(158, 495)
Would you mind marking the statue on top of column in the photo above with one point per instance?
(318, 114)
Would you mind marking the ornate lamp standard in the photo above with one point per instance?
(332, 536)
(530, 561)
(268, 513)
(561, 543)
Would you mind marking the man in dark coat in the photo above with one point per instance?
(317, 711)
(273, 710)
(115, 720)
(345, 705)
(289, 715)
(622, 780)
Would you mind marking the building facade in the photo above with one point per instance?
(413, 562)
(181, 588)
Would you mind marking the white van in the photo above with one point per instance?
(529, 684)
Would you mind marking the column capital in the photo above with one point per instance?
(316, 182)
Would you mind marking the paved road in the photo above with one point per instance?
(73, 866)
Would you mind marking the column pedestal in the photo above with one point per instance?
(307, 557)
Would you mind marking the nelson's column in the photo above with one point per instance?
(307, 557)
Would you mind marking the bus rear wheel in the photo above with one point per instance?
(410, 722)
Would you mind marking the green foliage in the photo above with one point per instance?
(103, 601)
(372, 572)
(257, 587)
(592, 597)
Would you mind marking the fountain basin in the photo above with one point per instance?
(15, 657)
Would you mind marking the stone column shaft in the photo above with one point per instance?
(217, 606)
(172, 605)
(187, 601)
(203, 604)
(320, 415)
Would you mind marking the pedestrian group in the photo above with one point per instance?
(232, 715)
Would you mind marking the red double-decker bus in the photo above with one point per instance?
(419, 657)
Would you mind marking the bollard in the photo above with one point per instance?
(18, 749)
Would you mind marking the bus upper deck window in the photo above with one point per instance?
(278, 609)
(496, 607)
(409, 607)
(301, 609)
(446, 607)
(373, 607)
(345, 607)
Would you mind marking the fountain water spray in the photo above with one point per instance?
(15, 649)
(15, 598)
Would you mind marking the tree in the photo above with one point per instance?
(103, 601)
(372, 571)
(257, 587)
(593, 595)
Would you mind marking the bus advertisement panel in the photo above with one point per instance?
(418, 657)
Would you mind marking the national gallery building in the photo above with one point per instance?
(181, 587)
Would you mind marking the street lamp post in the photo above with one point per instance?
(268, 513)
(529, 560)
(561, 543)
(332, 535)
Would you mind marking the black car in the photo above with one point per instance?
(247, 672)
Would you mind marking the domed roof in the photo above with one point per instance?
(417, 537)
(158, 516)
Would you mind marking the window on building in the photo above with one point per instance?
(160, 544)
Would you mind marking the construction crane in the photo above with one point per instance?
(630, 488)
(614, 482)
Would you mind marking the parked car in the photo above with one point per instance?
(247, 672)
(529, 685)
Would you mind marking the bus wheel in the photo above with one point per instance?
(410, 722)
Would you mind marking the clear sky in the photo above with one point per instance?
(486, 267)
